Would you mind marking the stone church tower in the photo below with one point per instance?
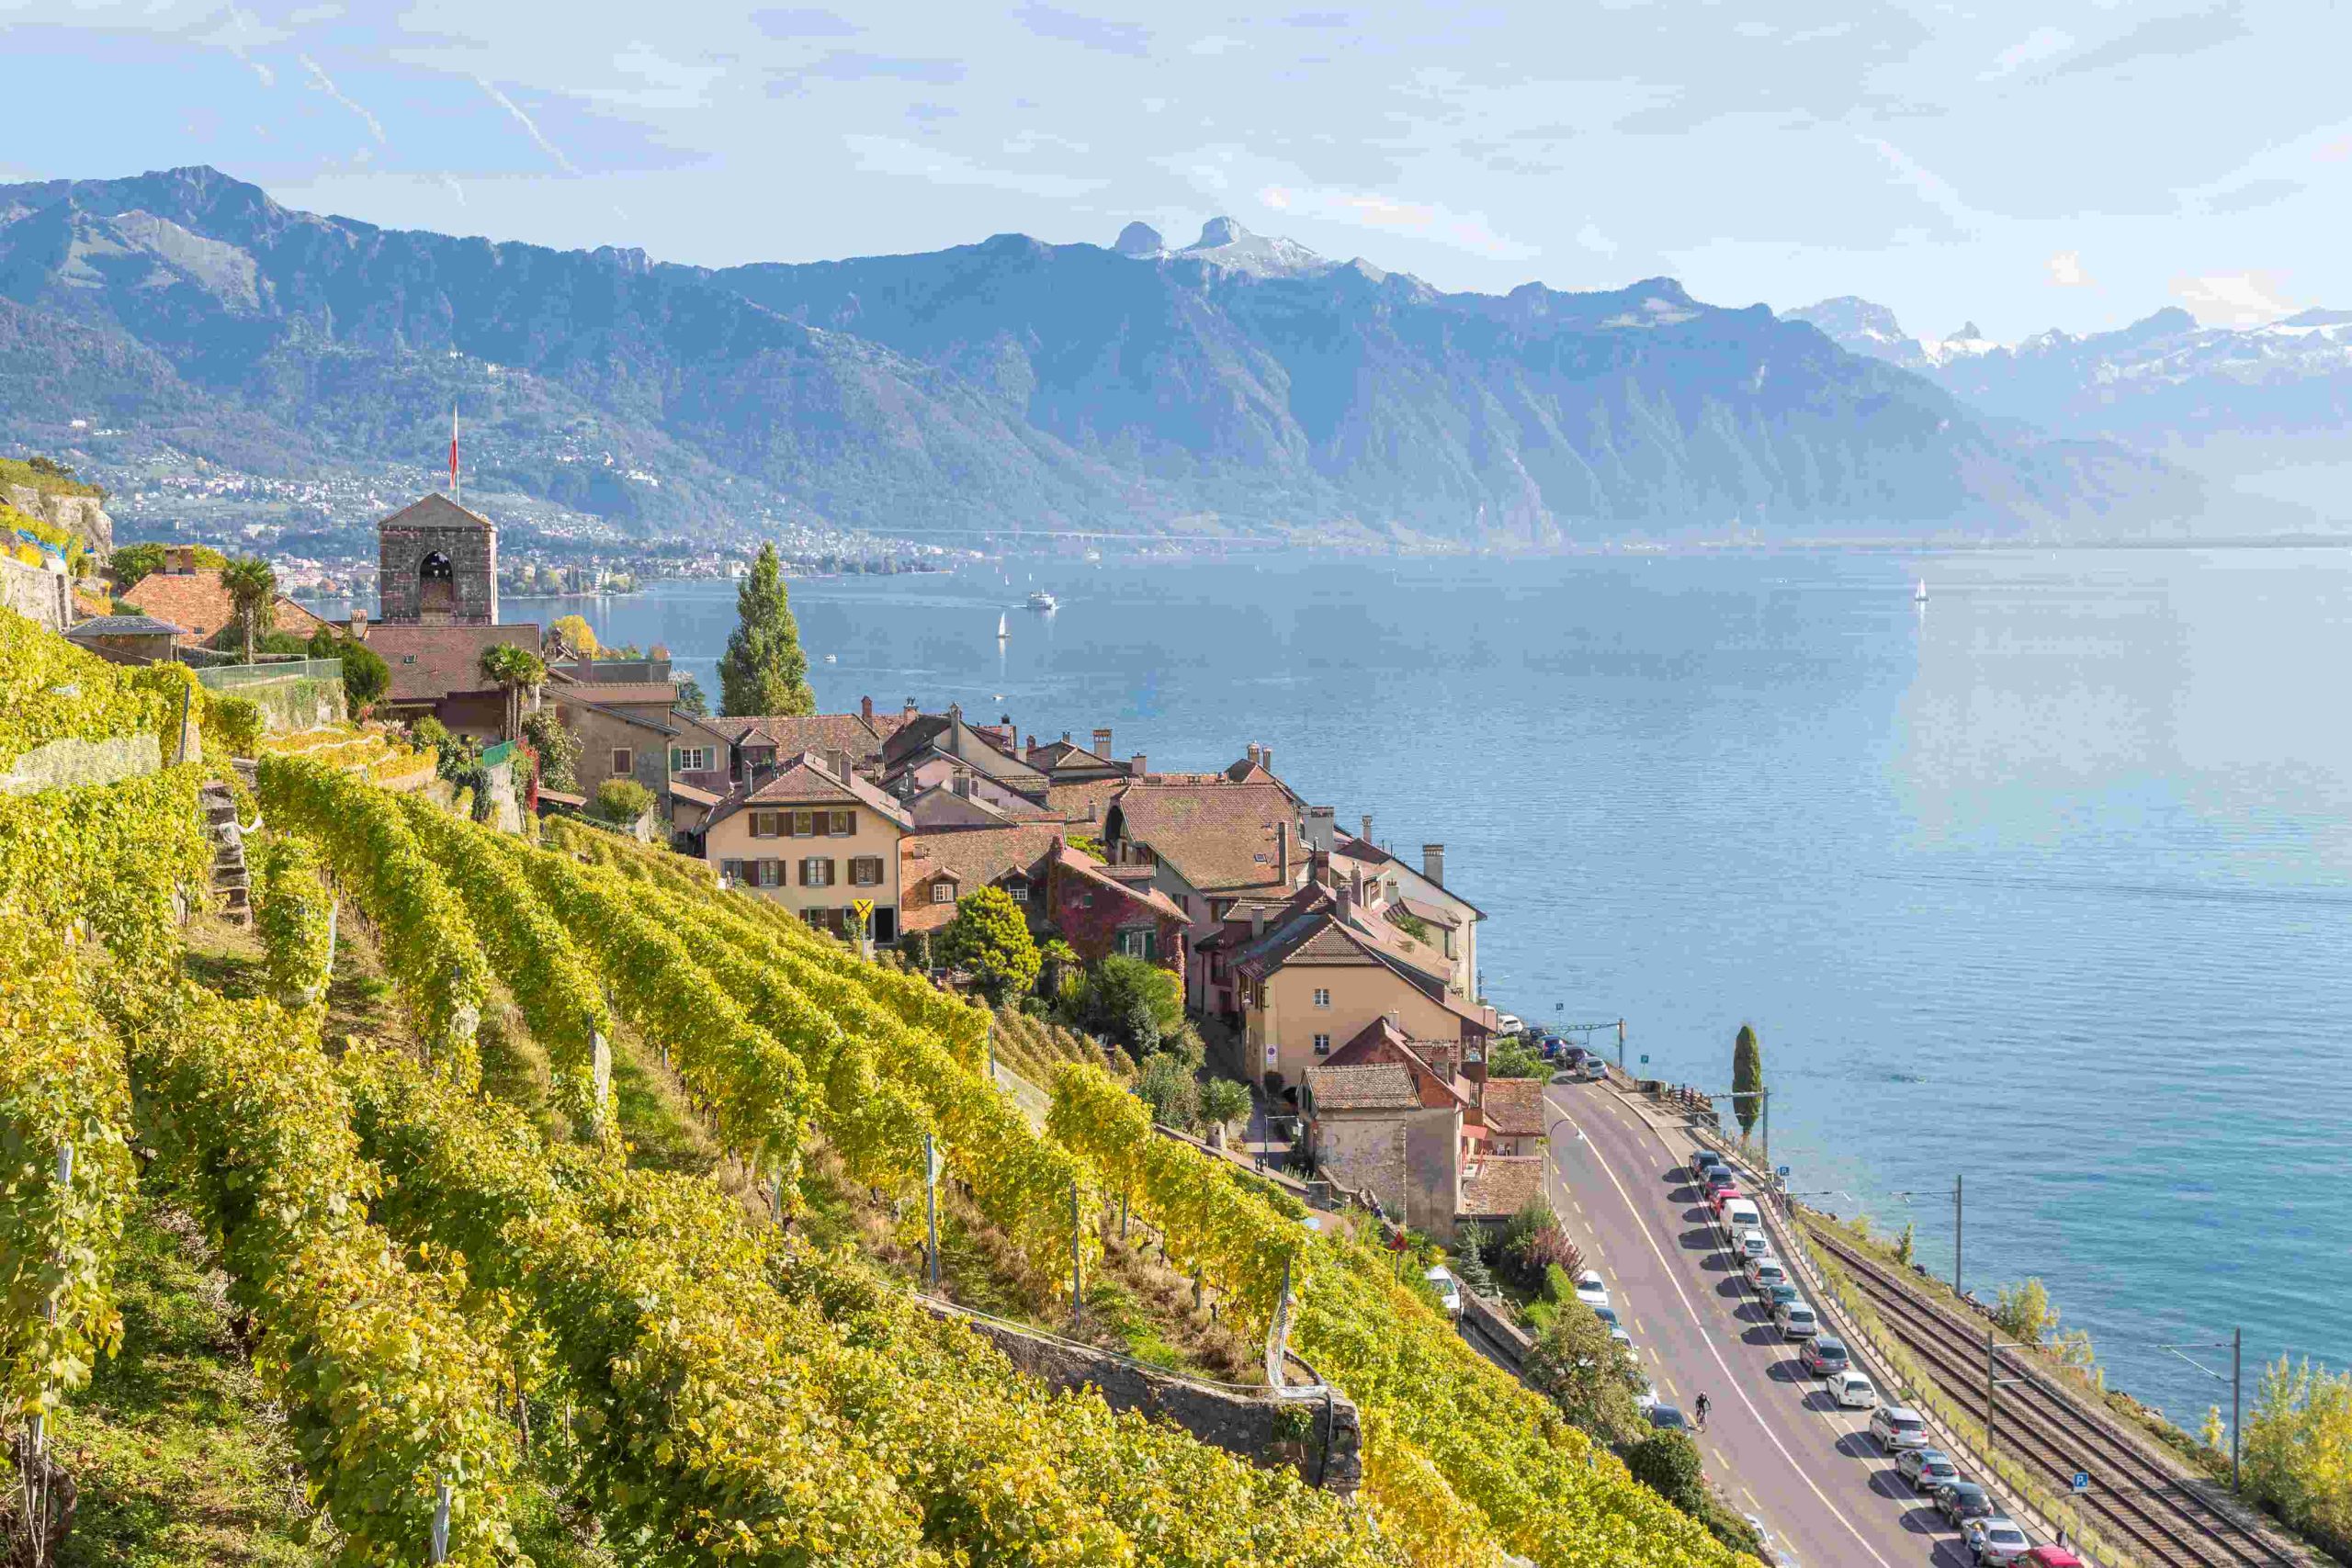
(437, 565)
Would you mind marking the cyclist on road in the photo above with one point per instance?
(1701, 1409)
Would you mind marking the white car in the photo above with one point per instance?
(1854, 1391)
(1796, 1321)
(1994, 1542)
(1753, 1243)
(1898, 1427)
(1590, 1290)
(1766, 1272)
(1449, 1289)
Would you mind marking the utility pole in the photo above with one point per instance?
(2237, 1393)
(1620, 1044)
(1765, 1095)
(1993, 1383)
(1956, 1224)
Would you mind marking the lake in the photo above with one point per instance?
(2044, 882)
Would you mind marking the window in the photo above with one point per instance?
(771, 873)
(689, 759)
(1322, 998)
(1016, 889)
(1139, 944)
(943, 891)
(865, 871)
(804, 824)
(624, 762)
(764, 824)
(732, 870)
(1322, 1045)
(845, 824)
(816, 872)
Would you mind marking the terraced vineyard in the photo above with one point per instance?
(459, 1314)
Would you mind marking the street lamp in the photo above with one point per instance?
(2235, 1345)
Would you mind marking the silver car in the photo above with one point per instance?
(1994, 1542)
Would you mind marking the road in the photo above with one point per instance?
(1774, 1443)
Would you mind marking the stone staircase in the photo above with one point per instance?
(230, 882)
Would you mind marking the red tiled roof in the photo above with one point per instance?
(436, 511)
(431, 662)
(807, 781)
(195, 600)
(974, 857)
(618, 694)
(1514, 1106)
(1368, 1086)
(1095, 872)
(1497, 1186)
(1220, 837)
(1083, 804)
(791, 734)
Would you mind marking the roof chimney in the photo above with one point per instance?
(910, 712)
(839, 763)
(866, 709)
(1102, 744)
(1433, 862)
(1281, 853)
(1319, 828)
(1367, 834)
(1266, 758)
(1136, 767)
(1253, 753)
(1032, 743)
(1257, 921)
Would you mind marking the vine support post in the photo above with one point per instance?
(1076, 1263)
(930, 1205)
(441, 1526)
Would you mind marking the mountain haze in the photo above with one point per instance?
(1240, 384)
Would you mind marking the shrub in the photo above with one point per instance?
(1133, 1002)
(1586, 1374)
(1668, 1464)
(1224, 1103)
(623, 800)
(558, 748)
(232, 724)
(366, 676)
(990, 939)
(1167, 1086)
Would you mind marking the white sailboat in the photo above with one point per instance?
(1919, 595)
(1003, 628)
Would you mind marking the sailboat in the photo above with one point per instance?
(1003, 628)
(1919, 595)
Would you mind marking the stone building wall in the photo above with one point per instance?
(471, 550)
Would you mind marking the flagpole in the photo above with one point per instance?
(456, 483)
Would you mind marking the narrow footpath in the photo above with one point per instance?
(1775, 1443)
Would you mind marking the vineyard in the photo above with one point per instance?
(464, 1312)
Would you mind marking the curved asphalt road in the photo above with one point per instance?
(1775, 1443)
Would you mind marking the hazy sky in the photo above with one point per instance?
(2021, 164)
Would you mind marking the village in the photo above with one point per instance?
(1334, 976)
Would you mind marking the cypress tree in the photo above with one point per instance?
(764, 669)
(1746, 1078)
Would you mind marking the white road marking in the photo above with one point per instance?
(1674, 1277)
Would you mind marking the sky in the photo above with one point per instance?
(2015, 165)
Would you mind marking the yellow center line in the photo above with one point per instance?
(1674, 1278)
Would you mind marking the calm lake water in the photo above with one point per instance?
(2045, 883)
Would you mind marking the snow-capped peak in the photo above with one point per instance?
(1225, 243)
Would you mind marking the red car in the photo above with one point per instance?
(2049, 1557)
(1722, 1195)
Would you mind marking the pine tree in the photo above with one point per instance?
(1747, 1078)
(764, 669)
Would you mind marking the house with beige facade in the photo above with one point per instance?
(817, 838)
(1212, 845)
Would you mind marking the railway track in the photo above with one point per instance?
(2138, 1501)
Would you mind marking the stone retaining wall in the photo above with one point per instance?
(1314, 1431)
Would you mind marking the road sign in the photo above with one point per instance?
(1646, 1058)
(1783, 1172)
(864, 908)
(2082, 1482)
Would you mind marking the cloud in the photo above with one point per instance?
(2171, 38)
(936, 166)
(804, 24)
(2066, 270)
(2235, 298)
(1089, 32)
(325, 83)
(1369, 209)
(2251, 195)
(2042, 43)
(529, 127)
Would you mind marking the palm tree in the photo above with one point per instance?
(516, 668)
(253, 597)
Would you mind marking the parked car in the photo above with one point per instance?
(1823, 1355)
(1449, 1289)
(1592, 1069)
(1669, 1418)
(2049, 1557)
(1751, 1242)
(1719, 1177)
(1645, 1396)
(1590, 1290)
(1778, 1296)
(1854, 1391)
(1908, 1464)
(1796, 1321)
(1738, 1214)
(1508, 1023)
(1961, 1501)
(1624, 1339)
(1607, 1315)
(1898, 1427)
(1995, 1542)
(1766, 1272)
(1930, 1473)
(1702, 1161)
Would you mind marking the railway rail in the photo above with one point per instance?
(2144, 1504)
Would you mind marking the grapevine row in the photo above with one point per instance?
(294, 915)
(759, 1404)
(430, 950)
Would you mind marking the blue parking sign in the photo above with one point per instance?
(2082, 1482)
(1783, 1172)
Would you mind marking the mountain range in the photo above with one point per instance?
(2259, 408)
(1239, 385)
